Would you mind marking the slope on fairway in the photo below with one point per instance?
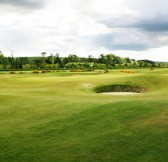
(51, 118)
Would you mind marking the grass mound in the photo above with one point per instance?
(120, 88)
(56, 117)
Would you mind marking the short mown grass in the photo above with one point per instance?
(56, 117)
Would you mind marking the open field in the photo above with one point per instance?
(58, 117)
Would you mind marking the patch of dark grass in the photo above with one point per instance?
(120, 88)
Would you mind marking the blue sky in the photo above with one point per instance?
(128, 28)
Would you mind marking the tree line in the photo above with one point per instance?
(55, 62)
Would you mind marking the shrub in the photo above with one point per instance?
(12, 72)
(76, 70)
(43, 71)
(90, 70)
(59, 71)
(106, 71)
(21, 72)
(127, 71)
(35, 71)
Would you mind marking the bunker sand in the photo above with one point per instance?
(120, 93)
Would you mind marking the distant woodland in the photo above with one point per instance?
(73, 62)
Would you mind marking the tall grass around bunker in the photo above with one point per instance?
(120, 88)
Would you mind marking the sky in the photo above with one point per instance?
(128, 28)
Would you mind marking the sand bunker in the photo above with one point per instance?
(86, 85)
(120, 93)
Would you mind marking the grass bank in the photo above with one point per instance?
(58, 117)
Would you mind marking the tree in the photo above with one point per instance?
(57, 58)
(43, 60)
(118, 60)
(65, 60)
(102, 59)
(12, 62)
(5, 63)
(128, 60)
(1, 57)
(73, 58)
(51, 60)
(110, 59)
(91, 58)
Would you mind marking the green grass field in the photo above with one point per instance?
(56, 117)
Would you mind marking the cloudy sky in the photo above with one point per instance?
(128, 28)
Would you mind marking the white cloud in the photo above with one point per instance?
(85, 27)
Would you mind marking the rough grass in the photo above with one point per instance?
(120, 88)
(53, 117)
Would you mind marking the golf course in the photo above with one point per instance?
(58, 116)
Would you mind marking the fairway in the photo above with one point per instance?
(54, 117)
